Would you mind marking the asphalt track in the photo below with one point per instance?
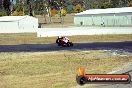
(125, 46)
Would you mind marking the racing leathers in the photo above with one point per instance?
(64, 40)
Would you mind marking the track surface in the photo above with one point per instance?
(125, 46)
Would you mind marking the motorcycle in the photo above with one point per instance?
(63, 44)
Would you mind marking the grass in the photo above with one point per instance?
(30, 38)
(53, 69)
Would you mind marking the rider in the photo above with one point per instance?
(64, 40)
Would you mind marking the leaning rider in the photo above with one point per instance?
(64, 40)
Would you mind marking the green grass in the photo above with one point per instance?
(53, 69)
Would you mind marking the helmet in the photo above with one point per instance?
(59, 37)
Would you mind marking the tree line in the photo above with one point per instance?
(61, 7)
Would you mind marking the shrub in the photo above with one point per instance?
(16, 13)
(63, 12)
(3, 13)
(130, 4)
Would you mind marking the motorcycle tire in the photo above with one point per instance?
(70, 44)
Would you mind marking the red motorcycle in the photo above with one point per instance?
(62, 43)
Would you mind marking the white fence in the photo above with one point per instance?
(14, 30)
(50, 32)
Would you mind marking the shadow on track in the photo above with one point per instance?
(126, 46)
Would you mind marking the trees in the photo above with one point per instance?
(90, 4)
(130, 4)
(69, 7)
(6, 5)
(87, 4)
(1, 5)
(106, 5)
(23, 6)
(120, 3)
(3, 13)
(18, 9)
(30, 7)
(44, 7)
(78, 8)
